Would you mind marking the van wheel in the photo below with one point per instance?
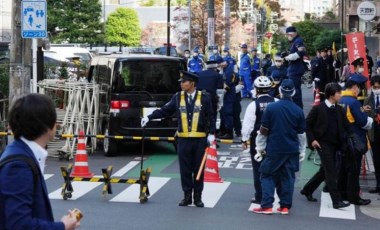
(110, 146)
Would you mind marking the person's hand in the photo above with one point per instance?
(302, 156)
(70, 221)
(316, 144)
(367, 108)
(317, 79)
(244, 145)
(210, 139)
(144, 122)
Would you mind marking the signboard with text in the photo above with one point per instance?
(356, 49)
(33, 17)
(366, 11)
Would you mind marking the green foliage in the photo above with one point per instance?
(326, 38)
(149, 3)
(308, 30)
(4, 79)
(75, 21)
(122, 27)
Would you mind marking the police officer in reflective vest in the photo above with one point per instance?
(251, 124)
(195, 63)
(245, 71)
(215, 55)
(196, 127)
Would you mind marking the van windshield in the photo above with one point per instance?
(155, 77)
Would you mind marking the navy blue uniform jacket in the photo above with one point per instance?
(19, 208)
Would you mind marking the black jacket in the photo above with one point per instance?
(317, 123)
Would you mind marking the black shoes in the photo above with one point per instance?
(361, 202)
(227, 135)
(198, 200)
(376, 190)
(186, 200)
(341, 204)
(309, 197)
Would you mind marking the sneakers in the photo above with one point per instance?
(266, 211)
(283, 211)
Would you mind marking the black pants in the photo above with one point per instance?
(327, 172)
(348, 183)
(256, 166)
(376, 153)
(190, 154)
(237, 111)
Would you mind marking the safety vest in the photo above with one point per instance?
(186, 132)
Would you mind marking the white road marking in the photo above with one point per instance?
(47, 176)
(328, 211)
(131, 194)
(212, 192)
(276, 205)
(126, 169)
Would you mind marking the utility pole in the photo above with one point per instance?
(227, 12)
(168, 32)
(189, 25)
(20, 57)
(211, 22)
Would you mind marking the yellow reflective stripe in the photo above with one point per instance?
(350, 117)
(94, 180)
(67, 135)
(182, 103)
(362, 98)
(171, 139)
(194, 125)
(118, 137)
(100, 136)
(154, 138)
(191, 134)
(137, 138)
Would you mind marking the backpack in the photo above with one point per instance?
(29, 161)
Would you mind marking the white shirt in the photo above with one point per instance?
(328, 103)
(192, 96)
(39, 152)
(250, 120)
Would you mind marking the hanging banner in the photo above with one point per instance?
(356, 49)
(211, 32)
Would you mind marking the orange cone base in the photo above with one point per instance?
(213, 180)
(81, 174)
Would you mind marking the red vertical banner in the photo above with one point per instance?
(356, 49)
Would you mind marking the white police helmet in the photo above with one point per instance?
(262, 82)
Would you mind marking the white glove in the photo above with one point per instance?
(219, 106)
(210, 139)
(259, 156)
(238, 88)
(144, 121)
(317, 79)
(302, 156)
(292, 57)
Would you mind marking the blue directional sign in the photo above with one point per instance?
(33, 17)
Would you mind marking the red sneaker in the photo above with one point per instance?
(283, 211)
(266, 211)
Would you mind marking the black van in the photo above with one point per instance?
(131, 87)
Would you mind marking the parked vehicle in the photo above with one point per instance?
(131, 87)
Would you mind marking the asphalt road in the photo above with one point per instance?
(227, 204)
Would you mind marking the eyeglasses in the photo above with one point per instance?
(278, 61)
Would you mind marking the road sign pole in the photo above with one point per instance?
(34, 50)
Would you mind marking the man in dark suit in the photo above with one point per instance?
(326, 129)
(24, 201)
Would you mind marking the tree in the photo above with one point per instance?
(154, 34)
(326, 39)
(123, 27)
(308, 30)
(75, 21)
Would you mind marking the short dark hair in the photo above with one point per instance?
(374, 79)
(349, 84)
(331, 89)
(31, 116)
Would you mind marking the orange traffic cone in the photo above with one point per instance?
(81, 168)
(212, 168)
(317, 99)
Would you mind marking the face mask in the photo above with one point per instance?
(195, 54)
(215, 51)
(361, 70)
(378, 71)
(225, 54)
(290, 38)
(187, 55)
(376, 91)
(278, 64)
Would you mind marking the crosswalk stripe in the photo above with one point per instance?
(131, 194)
(126, 169)
(212, 192)
(47, 176)
(276, 205)
(328, 211)
(80, 189)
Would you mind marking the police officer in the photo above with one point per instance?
(296, 67)
(266, 63)
(215, 55)
(230, 79)
(359, 70)
(251, 124)
(322, 73)
(245, 71)
(186, 55)
(277, 73)
(282, 137)
(255, 60)
(195, 122)
(360, 122)
(195, 64)
(212, 82)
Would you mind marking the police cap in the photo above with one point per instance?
(291, 29)
(324, 49)
(287, 88)
(187, 76)
(253, 50)
(226, 49)
(357, 79)
(358, 61)
(244, 46)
